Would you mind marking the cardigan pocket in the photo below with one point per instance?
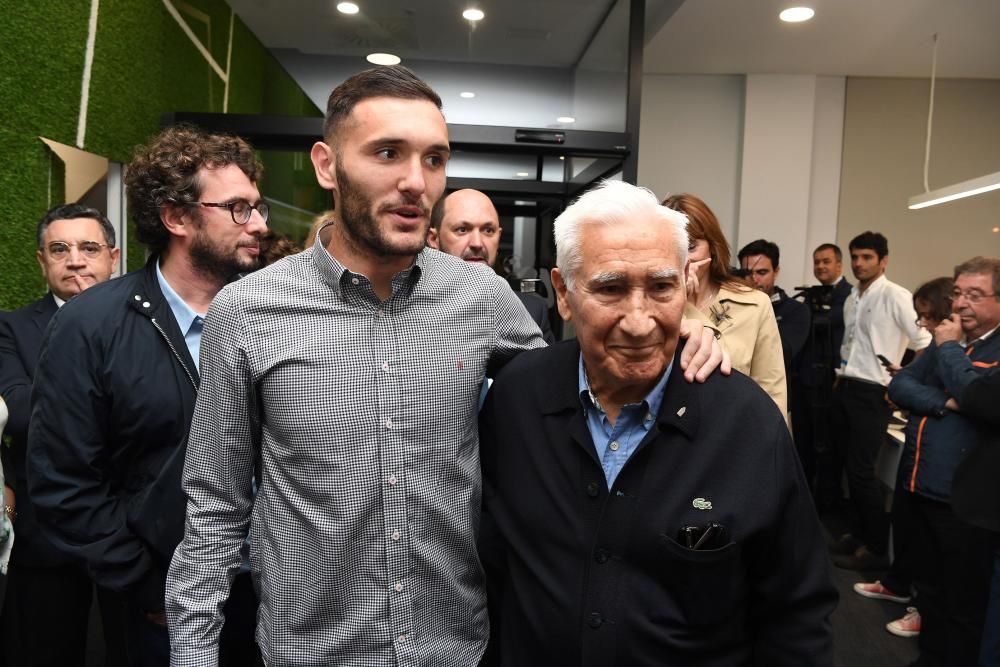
(706, 584)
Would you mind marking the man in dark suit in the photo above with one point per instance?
(48, 599)
(466, 224)
(631, 518)
(820, 358)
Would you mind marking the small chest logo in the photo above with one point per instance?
(460, 365)
(701, 504)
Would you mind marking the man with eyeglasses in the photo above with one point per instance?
(879, 324)
(116, 384)
(46, 588)
(953, 571)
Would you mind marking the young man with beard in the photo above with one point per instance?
(879, 320)
(350, 373)
(118, 373)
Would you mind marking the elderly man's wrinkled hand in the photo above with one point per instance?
(949, 329)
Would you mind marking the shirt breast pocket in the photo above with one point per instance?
(707, 585)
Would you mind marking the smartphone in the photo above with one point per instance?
(882, 360)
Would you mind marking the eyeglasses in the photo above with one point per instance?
(240, 210)
(971, 296)
(59, 250)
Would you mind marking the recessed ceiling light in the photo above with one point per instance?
(522, 174)
(562, 157)
(796, 14)
(347, 8)
(467, 94)
(565, 119)
(996, 230)
(473, 14)
(382, 59)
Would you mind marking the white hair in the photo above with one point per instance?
(611, 203)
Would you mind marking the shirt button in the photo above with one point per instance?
(355, 281)
(395, 535)
(385, 366)
(392, 480)
(595, 620)
(398, 587)
(613, 446)
(401, 639)
(388, 423)
(593, 490)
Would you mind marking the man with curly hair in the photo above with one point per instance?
(117, 377)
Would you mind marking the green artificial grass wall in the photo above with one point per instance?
(144, 66)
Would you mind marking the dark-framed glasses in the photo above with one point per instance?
(240, 210)
(59, 250)
(972, 296)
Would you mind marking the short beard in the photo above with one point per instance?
(213, 262)
(356, 212)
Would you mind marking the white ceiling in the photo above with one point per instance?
(886, 38)
(889, 38)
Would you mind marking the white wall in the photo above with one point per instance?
(824, 187)
(791, 164)
(690, 135)
(763, 151)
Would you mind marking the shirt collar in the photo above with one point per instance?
(875, 286)
(981, 338)
(183, 313)
(59, 302)
(653, 400)
(333, 272)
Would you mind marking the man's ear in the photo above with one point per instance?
(562, 294)
(432, 238)
(177, 220)
(116, 255)
(324, 160)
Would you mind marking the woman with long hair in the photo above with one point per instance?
(743, 315)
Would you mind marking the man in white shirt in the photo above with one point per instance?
(879, 324)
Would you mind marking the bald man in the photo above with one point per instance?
(466, 224)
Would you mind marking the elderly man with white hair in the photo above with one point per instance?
(633, 518)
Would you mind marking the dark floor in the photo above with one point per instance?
(859, 635)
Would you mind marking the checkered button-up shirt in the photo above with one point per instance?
(362, 416)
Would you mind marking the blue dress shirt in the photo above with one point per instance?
(615, 444)
(189, 322)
